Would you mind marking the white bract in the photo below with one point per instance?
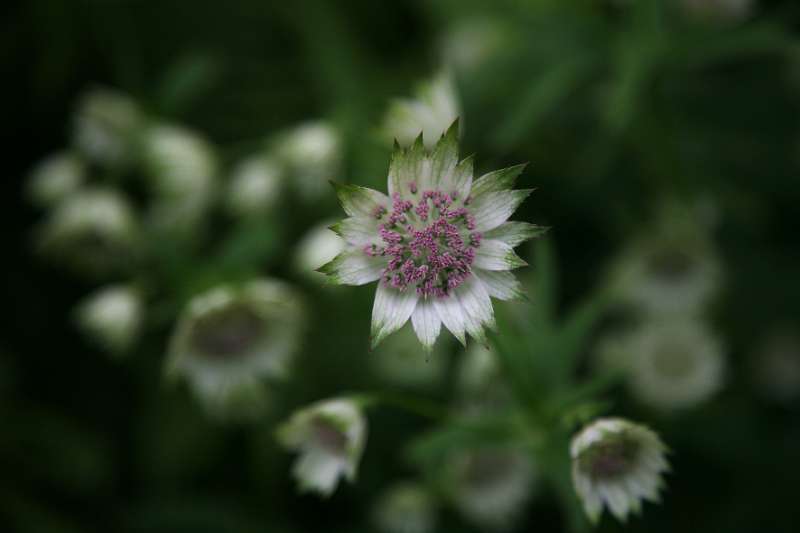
(229, 338)
(431, 112)
(330, 437)
(439, 246)
(405, 508)
(490, 486)
(112, 316)
(106, 125)
(55, 178)
(617, 464)
(255, 187)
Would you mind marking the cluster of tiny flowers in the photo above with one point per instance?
(430, 245)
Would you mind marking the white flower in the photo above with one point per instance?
(255, 187)
(316, 248)
(777, 366)
(231, 337)
(55, 178)
(490, 486)
(106, 125)
(330, 438)
(405, 508)
(439, 245)
(720, 10)
(670, 364)
(434, 108)
(401, 360)
(673, 269)
(311, 153)
(92, 230)
(183, 171)
(113, 316)
(617, 464)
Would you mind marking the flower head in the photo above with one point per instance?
(106, 125)
(112, 316)
(439, 245)
(55, 178)
(93, 230)
(330, 437)
(405, 508)
(230, 337)
(311, 155)
(490, 486)
(617, 464)
(432, 111)
(255, 186)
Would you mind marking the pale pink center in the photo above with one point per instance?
(430, 244)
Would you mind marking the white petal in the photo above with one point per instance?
(452, 316)
(391, 310)
(499, 284)
(617, 500)
(360, 201)
(444, 160)
(358, 231)
(477, 307)
(496, 255)
(318, 471)
(353, 267)
(426, 322)
(493, 208)
(515, 233)
(462, 178)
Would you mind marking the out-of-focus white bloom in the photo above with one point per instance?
(92, 230)
(106, 125)
(330, 437)
(255, 186)
(319, 246)
(672, 364)
(720, 10)
(401, 360)
(311, 153)
(777, 366)
(432, 111)
(617, 464)
(55, 178)
(490, 486)
(183, 171)
(231, 337)
(470, 43)
(405, 508)
(672, 270)
(112, 316)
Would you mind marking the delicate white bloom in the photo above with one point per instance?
(231, 337)
(671, 364)
(777, 366)
(617, 464)
(317, 247)
(439, 245)
(673, 269)
(106, 125)
(55, 178)
(183, 171)
(330, 438)
(113, 316)
(434, 108)
(401, 360)
(721, 10)
(92, 230)
(490, 486)
(312, 155)
(255, 186)
(405, 508)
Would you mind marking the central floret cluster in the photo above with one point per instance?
(430, 245)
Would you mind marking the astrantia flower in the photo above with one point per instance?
(93, 231)
(491, 486)
(231, 337)
(330, 437)
(112, 316)
(316, 248)
(255, 186)
(405, 508)
(106, 125)
(433, 110)
(617, 464)
(55, 178)
(311, 155)
(439, 245)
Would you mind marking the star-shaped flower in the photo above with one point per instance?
(439, 245)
